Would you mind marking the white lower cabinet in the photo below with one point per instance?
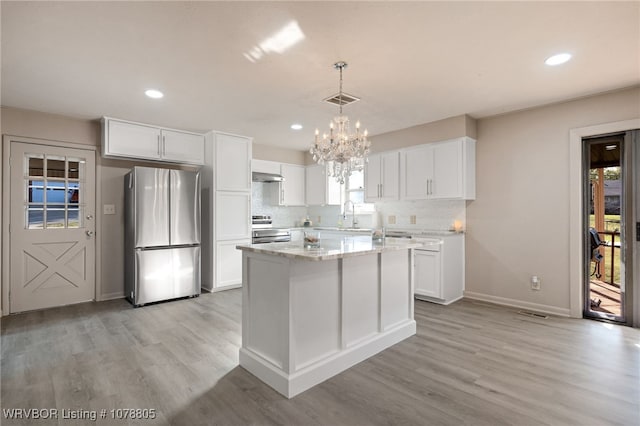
(427, 274)
(229, 264)
(439, 270)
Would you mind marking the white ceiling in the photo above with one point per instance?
(410, 62)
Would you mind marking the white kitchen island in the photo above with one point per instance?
(308, 314)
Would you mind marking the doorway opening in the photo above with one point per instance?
(608, 193)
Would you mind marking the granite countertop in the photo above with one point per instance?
(422, 232)
(333, 228)
(331, 249)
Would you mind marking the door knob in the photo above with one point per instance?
(89, 233)
(89, 216)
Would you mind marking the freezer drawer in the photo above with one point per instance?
(166, 274)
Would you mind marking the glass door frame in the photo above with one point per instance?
(626, 232)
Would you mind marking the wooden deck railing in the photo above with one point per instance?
(608, 252)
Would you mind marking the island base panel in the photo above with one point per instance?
(291, 385)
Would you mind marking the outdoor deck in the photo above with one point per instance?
(609, 296)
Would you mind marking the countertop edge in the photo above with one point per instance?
(308, 254)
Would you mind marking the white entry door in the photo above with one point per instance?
(52, 226)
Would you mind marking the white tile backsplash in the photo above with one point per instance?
(261, 193)
(429, 214)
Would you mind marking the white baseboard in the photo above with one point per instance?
(553, 310)
(111, 296)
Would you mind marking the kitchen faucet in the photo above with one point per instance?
(354, 222)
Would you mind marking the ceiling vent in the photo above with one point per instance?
(342, 99)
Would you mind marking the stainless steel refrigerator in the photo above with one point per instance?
(162, 234)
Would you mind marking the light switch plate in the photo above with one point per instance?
(109, 209)
(392, 219)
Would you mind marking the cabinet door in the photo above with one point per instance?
(416, 168)
(334, 191)
(233, 163)
(229, 264)
(132, 140)
(447, 170)
(182, 147)
(315, 185)
(390, 189)
(265, 166)
(292, 189)
(372, 178)
(428, 278)
(233, 215)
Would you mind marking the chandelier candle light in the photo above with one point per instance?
(344, 151)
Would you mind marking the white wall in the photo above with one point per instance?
(52, 127)
(518, 224)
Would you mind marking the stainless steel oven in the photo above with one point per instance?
(264, 232)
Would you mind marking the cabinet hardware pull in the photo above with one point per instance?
(158, 145)
(164, 146)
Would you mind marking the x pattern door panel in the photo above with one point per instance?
(52, 226)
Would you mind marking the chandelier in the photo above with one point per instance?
(343, 151)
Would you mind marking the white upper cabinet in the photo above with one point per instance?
(381, 177)
(264, 166)
(320, 188)
(442, 170)
(233, 162)
(292, 190)
(183, 147)
(128, 140)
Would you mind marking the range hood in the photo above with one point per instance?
(266, 177)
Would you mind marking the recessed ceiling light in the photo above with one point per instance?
(558, 59)
(153, 93)
(296, 126)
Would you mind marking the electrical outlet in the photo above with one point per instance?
(535, 283)
(412, 219)
(392, 220)
(319, 220)
(109, 209)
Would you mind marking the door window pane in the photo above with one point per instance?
(75, 168)
(35, 217)
(55, 216)
(35, 165)
(55, 167)
(35, 191)
(56, 192)
(74, 218)
(73, 193)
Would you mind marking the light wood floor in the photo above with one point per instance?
(470, 363)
